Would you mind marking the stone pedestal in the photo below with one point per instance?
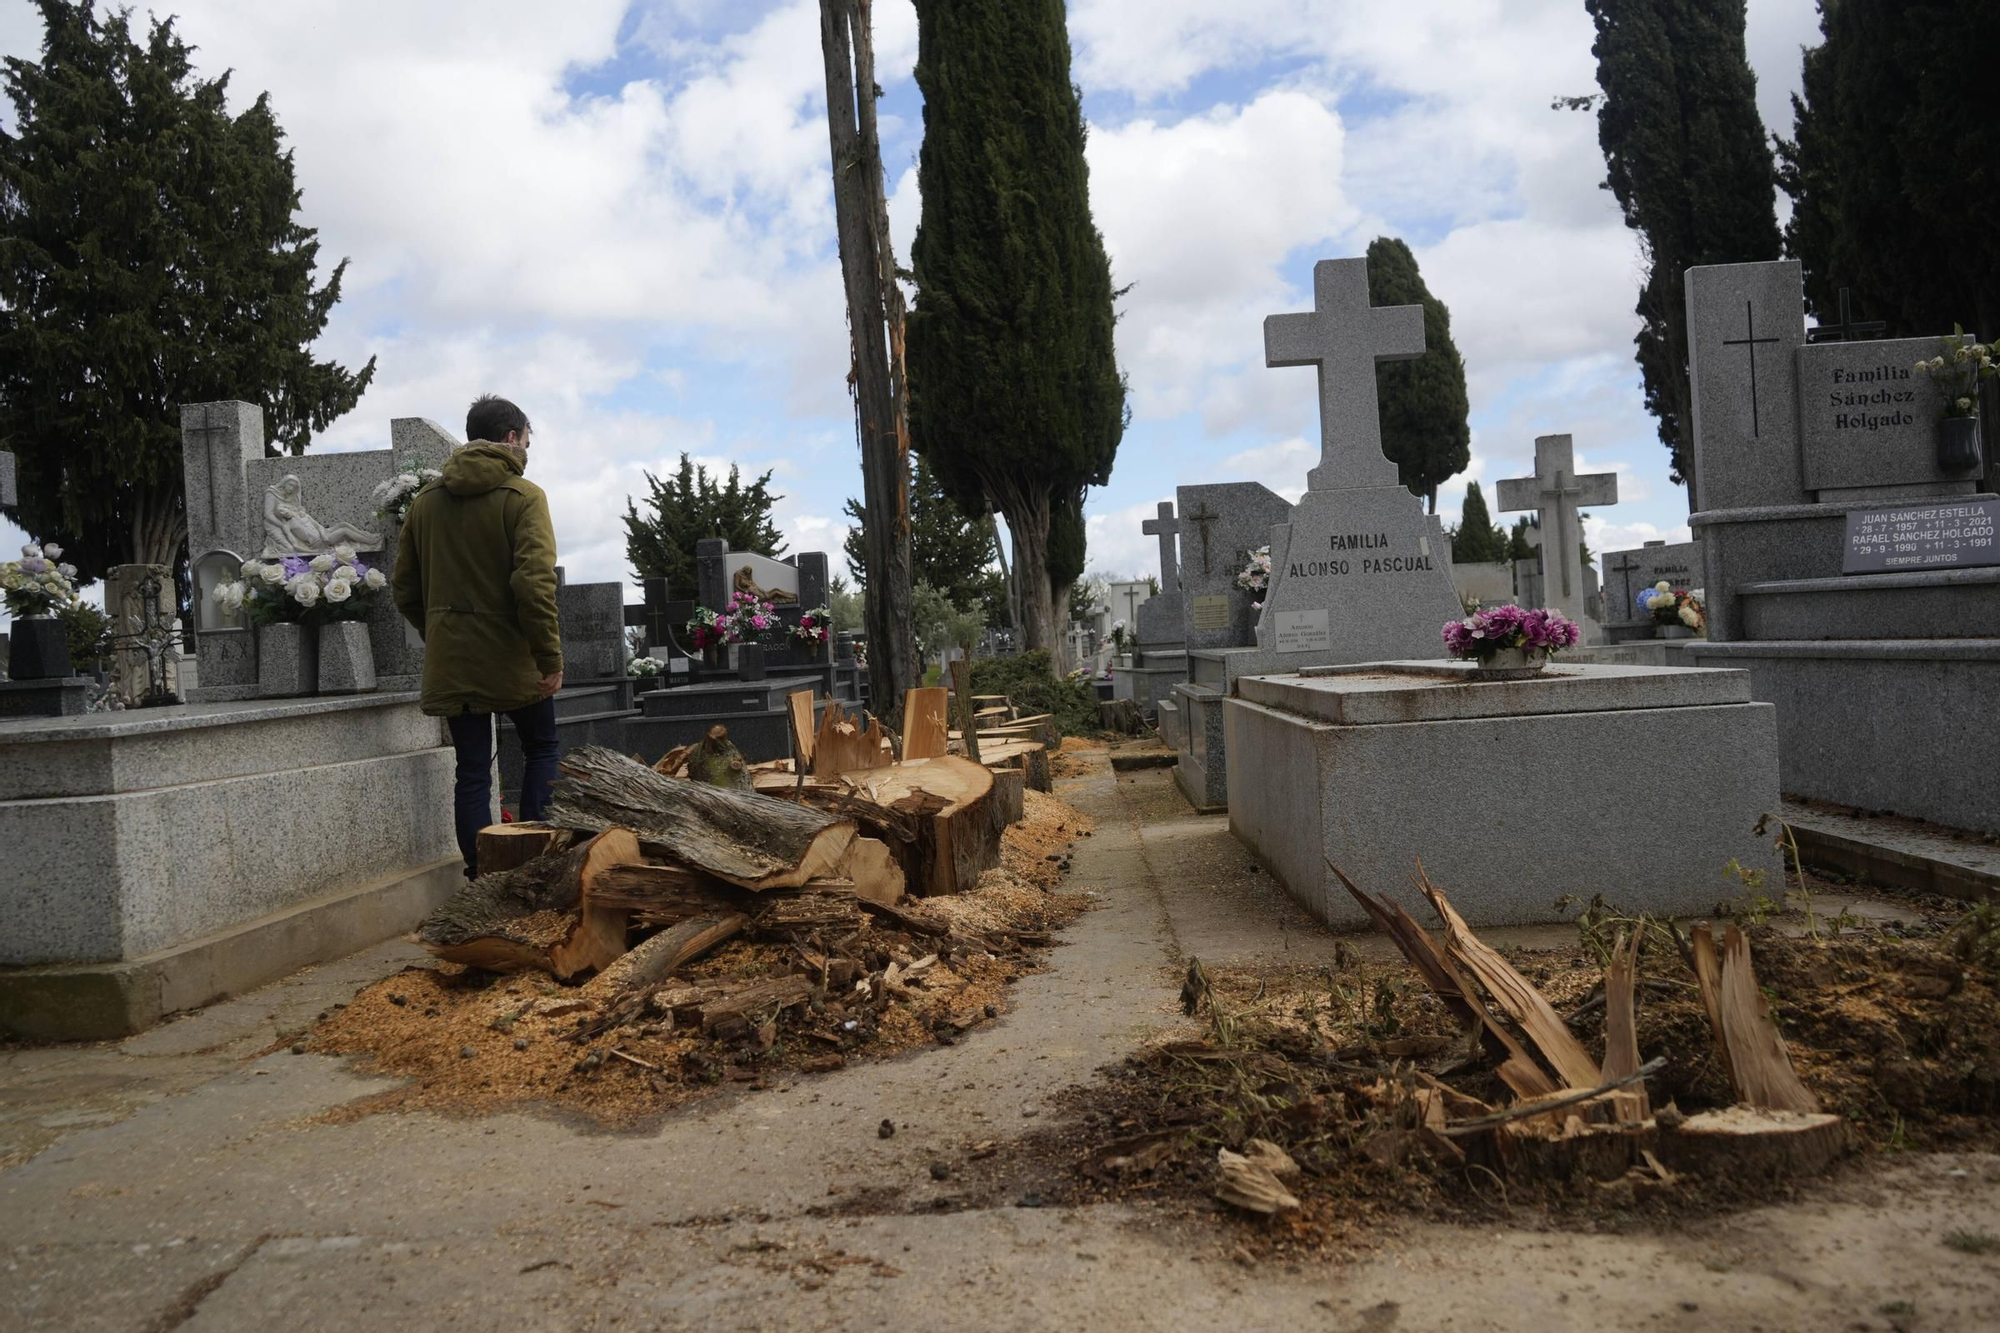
(346, 661)
(60, 696)
(287, 661)
(1640, 783)
(161, 859)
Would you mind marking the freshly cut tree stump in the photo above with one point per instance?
(960, 841)
(1746, 1142)
(534, 917)
(508, 846)
(745, 838)
(1010, 799)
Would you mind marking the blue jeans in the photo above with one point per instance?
(472, 738)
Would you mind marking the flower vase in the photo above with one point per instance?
(750, 661)
(346, 661)
(1958, 444)
(1512, 664)
(287, 660)
(38, 649)
(1673, 632)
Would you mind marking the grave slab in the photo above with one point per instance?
(1626, 750)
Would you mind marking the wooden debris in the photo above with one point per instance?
(924, 722)
(745, 838)
(741, 1011)
(874, 871)
(1760, 1067)
(510, 846)
(534, 917)
(843, 745)
(659, 957)
(961, 689)
(1249, 1184)
(1621, 1038)
(717, 762)
(799, 709)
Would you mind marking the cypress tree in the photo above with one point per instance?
(688, 506)
(1689, 165)
(1518, 545)
(1015, 395)
(149, 257)
(1425, 427)
(1893, 175)
(1477, 539)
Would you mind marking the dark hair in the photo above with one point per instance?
(490, 418)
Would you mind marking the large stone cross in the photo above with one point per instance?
(1557, 492)
(1345, 338)
(9, 495)
(1165, 527)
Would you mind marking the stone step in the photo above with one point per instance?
(1927, 604)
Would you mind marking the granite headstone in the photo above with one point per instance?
(1224, 524)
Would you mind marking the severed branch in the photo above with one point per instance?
(1528, 1109)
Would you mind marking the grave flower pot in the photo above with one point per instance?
(1958, 444)
(346, 661)
(750, 661)
(287, 661)
(1673, 632)
(38, 649)
(1512, 664)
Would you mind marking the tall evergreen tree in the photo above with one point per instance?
(1518, 545)
(949, 550)
(690, 505)
(1477, 539)
(149, 257)
(1015, 395)
(1425, 427)
(1893, 174)
(1690, 167)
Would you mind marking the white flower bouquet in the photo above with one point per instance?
(37, 584)
(313, 590)
(392, 498)
(645, 668)
(1957, 371)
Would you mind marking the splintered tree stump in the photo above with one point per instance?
(960, 839)
(510, 846)
(1121, 716)
(741, 837)
(534, 917)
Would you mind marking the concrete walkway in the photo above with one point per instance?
(181, 1184)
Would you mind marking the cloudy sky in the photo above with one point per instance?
(618, 212)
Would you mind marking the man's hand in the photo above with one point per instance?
(550, 684)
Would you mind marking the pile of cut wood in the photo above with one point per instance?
(1571, 1116)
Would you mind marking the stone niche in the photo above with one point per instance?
(1638, 782)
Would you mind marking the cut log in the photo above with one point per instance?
(1621, 1037)
(1743, 1142)
(657, 958)
(1520, 1000)
(844, 745)
(1758, 1058)
(833, 912)
(1010, 787)
(924, 722)
(717, 762)
(664, 892)
(745, 838)
(799, 709)
(960, 841)
(1121, 716)
(510, 846)
(534, 917)
(873, 868)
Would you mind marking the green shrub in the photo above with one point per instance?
(1026, 681)
(89, 633)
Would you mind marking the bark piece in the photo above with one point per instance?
(717, 762)
(534, 917)
(745, 838)
(510, 846)
(657, 958)
(738, 1013)
(1621, 1037)
(1521, 1001)
(844, 745)
(873, 868)
(1250, 1185)
(1759, 1062)
(924, 722)
(960, 839)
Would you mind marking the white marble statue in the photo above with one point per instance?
(290, 530)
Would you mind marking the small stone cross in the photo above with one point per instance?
(1165, 527)
(1201, 518)
(1849, 329)
(1557, 492)
(1345, 338)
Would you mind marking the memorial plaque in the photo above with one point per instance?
(1303, 631)
(1210, 612)
(1866, 417)
(1936, 536)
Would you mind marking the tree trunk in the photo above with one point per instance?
(874, 316)
(1028, 521)
(1006, 571)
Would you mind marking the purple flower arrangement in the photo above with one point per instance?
(1484, 633)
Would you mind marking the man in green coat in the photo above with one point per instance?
(476, 574)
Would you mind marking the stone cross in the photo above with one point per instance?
(1201, 518)
(217, 440)
(8, 494)
(1132, 608)
(1345, 338)
(1165, 527)
(1558, 493)
(1849, 329)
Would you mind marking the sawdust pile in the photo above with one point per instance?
(474, 1041)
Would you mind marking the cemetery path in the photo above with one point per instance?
(187, 1185)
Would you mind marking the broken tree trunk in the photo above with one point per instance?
(656, 959)
(924, 723)
(1760, 1066)
(717, 762)
(747, 839)
(508, 846)
(1621, 1036)
(844, 745)
(961, 689)
(535, 917)
(958, 842)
